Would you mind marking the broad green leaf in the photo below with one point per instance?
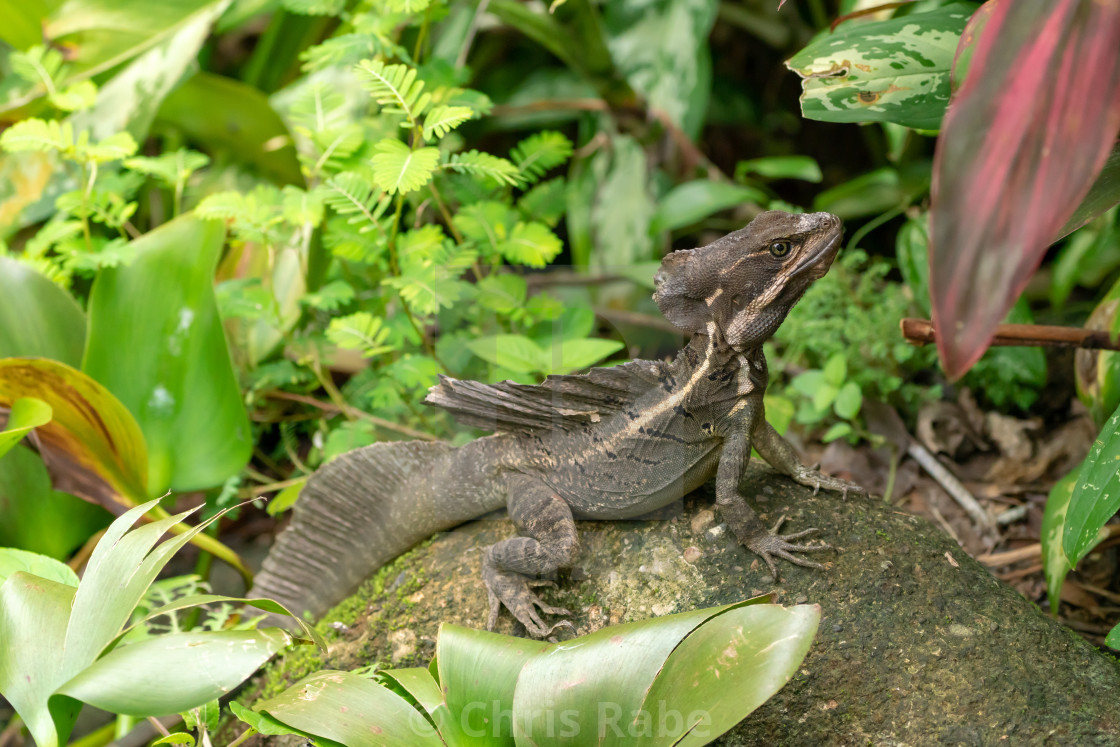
(515, 352)
(285, 499)
(848, 400)
(23, 21)
(838, 430)
(621, 205)
(25, 414)
(1103, 195)
(175, 672)
(575, 355)
(502, 293)
(13, 560)
(36, 516)
(420, 683)
(617, 669)
(262, 722)
(399, 170)
(804, 168)
(93, 445)
(1112, 640)
(693, 201)
(1055, 562)
(884, 71)
(183, 390)
(729, 666)
(532, 244)
(662, 49)
(33, 629)
(350, 710)
(480, 705)
(103, 34)
(809, 382)
(779, 412)
(836, 370)
(1096, 495)
(229, 115)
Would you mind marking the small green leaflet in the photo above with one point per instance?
(399, 170)
(887, 71)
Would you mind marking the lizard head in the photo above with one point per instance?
(746, 282)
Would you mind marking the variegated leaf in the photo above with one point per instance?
(885, 71)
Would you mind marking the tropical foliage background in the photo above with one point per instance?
(243, 236)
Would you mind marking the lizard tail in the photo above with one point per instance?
(369, 505)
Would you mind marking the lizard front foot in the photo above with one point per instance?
(816, 480)
(770, 544)
(513, 590)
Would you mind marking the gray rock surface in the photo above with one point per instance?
(918, 643)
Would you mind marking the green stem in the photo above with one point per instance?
(395, 268)
(420, 36)
(245, 735)
(874, 223)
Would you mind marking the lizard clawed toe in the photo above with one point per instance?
(769, 545)
(811, 478)
(514, 591)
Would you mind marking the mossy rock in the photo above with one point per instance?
(918, 643)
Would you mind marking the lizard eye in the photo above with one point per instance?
(779, 248)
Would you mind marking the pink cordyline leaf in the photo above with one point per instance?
(1024, 136)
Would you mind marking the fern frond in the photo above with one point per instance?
(538, 153)
(345, 49)
(443, 119)
(317, 106)
(395, 89)
(38, 134)
(531, 244)
(482, 164)
(398, 169)
(355, 195)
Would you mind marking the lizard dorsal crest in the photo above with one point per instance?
(559, 403)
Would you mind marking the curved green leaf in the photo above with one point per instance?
(886, 71)
(1096, 495)
(38, 318)
(351, 710)
(477, 703)
(92, 447)
(36, 516)
(33, 629)
(725, 669)
(1055, 562)
(182, 388)
(227, 114)
(13, 560)
(176, 672)
(25, 414)
(602, 682)
(693, 201)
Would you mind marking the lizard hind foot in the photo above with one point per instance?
(514, 591)
(770, 545)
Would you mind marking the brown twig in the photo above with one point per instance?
(921, 332)
(351, 411)
(621, 316)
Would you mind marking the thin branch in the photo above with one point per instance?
(350, 411)
(921, 332)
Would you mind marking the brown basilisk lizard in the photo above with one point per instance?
(614, 443)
